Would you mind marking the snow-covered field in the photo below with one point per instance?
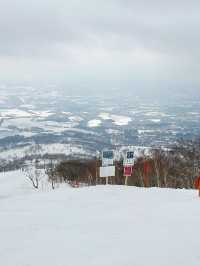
(94, 123)
(103, 225)
(117, 119)
(31, 150)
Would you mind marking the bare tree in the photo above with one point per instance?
(157, 164)
(33, 173)
(51, 173)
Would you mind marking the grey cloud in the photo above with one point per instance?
(150, 38)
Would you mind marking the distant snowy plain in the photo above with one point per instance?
(97, 226)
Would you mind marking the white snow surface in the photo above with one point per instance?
(17, 113)
(97, 226)
(118, 120)
(56, 148)
(155, 120)
(94, 123)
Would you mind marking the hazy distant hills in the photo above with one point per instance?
(29, 116)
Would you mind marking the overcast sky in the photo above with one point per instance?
(111, 42)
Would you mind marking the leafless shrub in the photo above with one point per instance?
(33, 173)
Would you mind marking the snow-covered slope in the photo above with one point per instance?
(98, 226)
(16, 183)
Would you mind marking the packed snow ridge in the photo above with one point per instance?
(97, 226)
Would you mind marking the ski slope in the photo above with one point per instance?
(97, 226)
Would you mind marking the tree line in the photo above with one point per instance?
(175, 167)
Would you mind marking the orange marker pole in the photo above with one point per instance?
(197, 184)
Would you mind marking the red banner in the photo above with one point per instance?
(128, 170)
